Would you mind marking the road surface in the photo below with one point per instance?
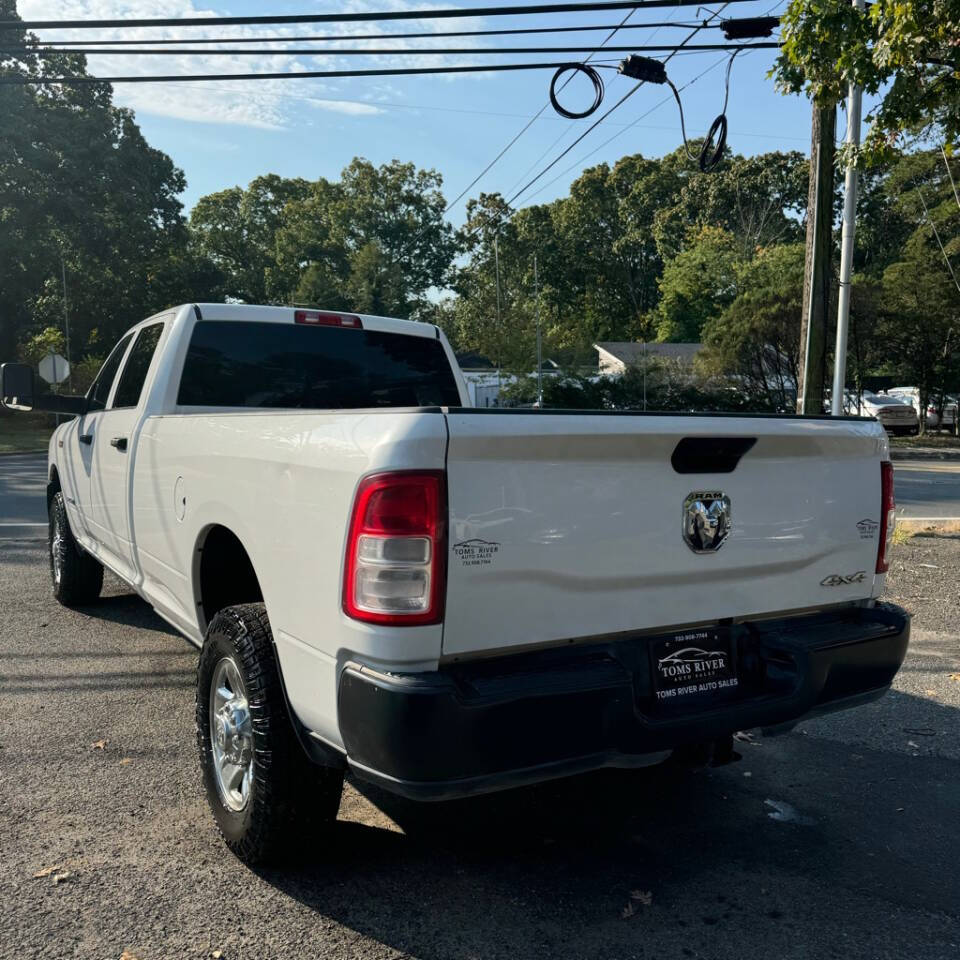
(839, 841)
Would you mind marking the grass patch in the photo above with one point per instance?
(25, 433)
(901, 535)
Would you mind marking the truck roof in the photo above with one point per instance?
(275, 314)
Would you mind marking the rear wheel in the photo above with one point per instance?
(267, 797)
(77, 577)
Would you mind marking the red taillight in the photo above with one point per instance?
(321, 318)
(395, 569)
(888, 515)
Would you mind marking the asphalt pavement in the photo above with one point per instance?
(839, 840)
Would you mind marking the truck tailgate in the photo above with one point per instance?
(571, 525)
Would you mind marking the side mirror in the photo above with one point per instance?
(17, 386)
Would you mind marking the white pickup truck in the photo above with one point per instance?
(447, 600)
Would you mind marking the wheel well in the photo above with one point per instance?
(226, 575)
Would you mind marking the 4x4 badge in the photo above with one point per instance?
(841, 579)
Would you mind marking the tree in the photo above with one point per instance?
(903, 50)
(697, 285)
(236, 230)
(81, 193)
(759, 200)
(757, 337)
(377, 236)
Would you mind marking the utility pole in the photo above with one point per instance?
(816, 273)
(536, 296)
(66, 323)
(846, 243)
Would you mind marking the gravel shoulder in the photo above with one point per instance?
(840, 839)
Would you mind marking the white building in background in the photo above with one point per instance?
(615, 356)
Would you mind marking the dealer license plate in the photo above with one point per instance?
(693, 666)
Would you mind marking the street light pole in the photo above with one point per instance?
(846, 243)
(496, 263)
(536, 296)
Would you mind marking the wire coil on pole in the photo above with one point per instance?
(594, 78)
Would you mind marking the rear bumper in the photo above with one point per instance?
(489, 724)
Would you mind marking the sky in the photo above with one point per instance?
(225, 134)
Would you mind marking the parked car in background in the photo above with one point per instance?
(911, 395)
(897, 415)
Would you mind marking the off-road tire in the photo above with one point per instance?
(81, 575)
(293, 802)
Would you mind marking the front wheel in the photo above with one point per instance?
(77, 577)
(266, 796)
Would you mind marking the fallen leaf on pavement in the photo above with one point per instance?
(217, 954)
(628, 911)
(642, 896)
(127, 955)
(126, 760)
(46, 871)
(99, 744)
(955, 676)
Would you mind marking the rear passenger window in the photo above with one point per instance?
(244, 364)
(138, 363)
(97, 396)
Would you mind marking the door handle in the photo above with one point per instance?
(86, 438)
(119, 442)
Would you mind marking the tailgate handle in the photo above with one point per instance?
(710, 454)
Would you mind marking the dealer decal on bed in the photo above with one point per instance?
(476, 552)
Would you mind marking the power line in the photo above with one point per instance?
(383, 105)
(536, 163)
(527, 125)
(285, 74)
(634, 123)
(936, 233)
(591, 28)
(600, 120)
(457, 13)
(381, 51)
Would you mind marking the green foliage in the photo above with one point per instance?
(36, 347)
(82, 195)
(642, 250)
(236, 230)
(662, 386)
(756, 339)
(697, 284)
(904, 50)
(374, 241)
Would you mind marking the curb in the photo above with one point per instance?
(935, 525)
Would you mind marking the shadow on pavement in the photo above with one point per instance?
(549, 870)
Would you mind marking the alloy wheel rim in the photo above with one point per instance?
(56, 545)
(231, 735)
